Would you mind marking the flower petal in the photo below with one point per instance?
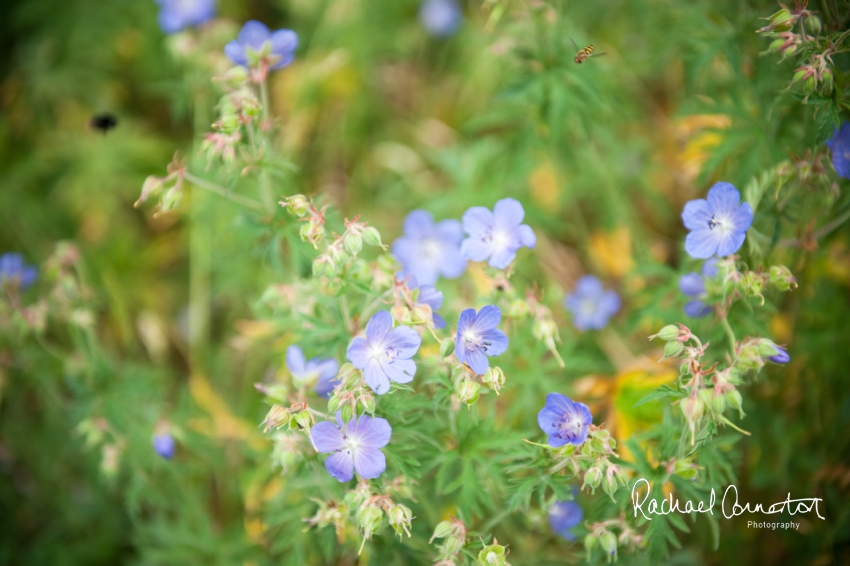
(476, 249)
(723, 199)
(403, 341)
(696, 309)
(376, 377)
(358, 352)
(369, 462)
(701, 244)
(588, 287)
(284, 42)
(254, 34)
(498, 342)
(327, 437)
(466, 320)
(503, 256)
(370, 431)
(429, 295)
(378, 327)
(453, 263)
(527, 236)
(478, 222)
(419, 224)
(295, 362)
(508, 213)
(691, 284)
(730, 243)
(487, 318)
(477, 361)
(450, 231)
(743, 218)
(236, 53)
(439, 321)
(696, 214)
(400, 371)
(340, 465)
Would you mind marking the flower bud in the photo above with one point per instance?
(442, 530)
(686, 469)
(591, 541)
(303, 420)
(447, 348)
(518, 309)
(346, 413)
(234, 77)
(493, 555)
(400, 518)
(809, 85)
(752, 284)
(296, 205)
(734, 399)
(775, 45)
(468, 391)
(782, 20)
(353, 244)
(372, 237)
(369, 518)
(610, 484)
(494, 378)
(368, 404)
(801, 74)
(749, 357)
(673, 348)
(827, 79)
(277, 417)
(592, 479)
(767, 348)
(813, 24)
(152, 185)
(452, 545)
(718, 403)
(608, 543)
(669, 332)
(692, 408)
(781, 277)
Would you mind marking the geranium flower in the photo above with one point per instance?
(255, 38)
(564, 420)
(563, 516)
(591, 305)
(429, 250)
(718, 223)
(384, 354)
(320, 371)
(496, 236)
(175, 15)
(477, 337)
(354, 446)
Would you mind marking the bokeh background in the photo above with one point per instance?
(380, 117)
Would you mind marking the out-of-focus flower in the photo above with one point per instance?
(430, 250)
(256, 41)
(839, 143)
(428, 295)
(693, 285)
(322, 371)
(384, 355)
(718, 224)
(164, 445)
(781, 356)
(564, 420)
(563, 516)
(14, 270)
(175, 15)
(440, 18)
(478, 337)
(496, 235)
(355, 445)
(591, 305)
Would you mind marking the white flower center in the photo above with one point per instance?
(375, 351)
(587, 307)
(431, 249)
(470, 338)
(500, 239)
(720, 224)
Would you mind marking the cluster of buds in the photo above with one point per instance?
(298, 416)
(171, 187)
(220, 146)
(785, 44)
(753, 353)
(406, 308)
(684, 468)
(593, 459)
(493, 555)
(468, 384)
(603, 536)
(332, 513)
(453, 533)
(351, 394)
(816, 73)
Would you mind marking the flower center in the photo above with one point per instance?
(720, 223)
(470, 338)
(500, 239)
(430, 249)
(587, 307)
(571, 425)
(376, 352)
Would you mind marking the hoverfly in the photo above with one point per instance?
(584, 53)
(103, 122)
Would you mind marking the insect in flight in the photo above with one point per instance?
(584, 53)
(103, 122)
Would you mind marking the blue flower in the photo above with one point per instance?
(163, 444)
(355, 445)
(430, 250)
(563, 516)
(564, 420)
(718, 224)
(428, 295)
(440, 18)
(477, 337)
(322, 371)
(839, 143)
(496, 235)
(693, 285)
(781, 357)
(255, 37)
(14, 270)
(384, 355)
(591, 305)
(175, 15)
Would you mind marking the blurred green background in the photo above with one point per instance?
(380, 118)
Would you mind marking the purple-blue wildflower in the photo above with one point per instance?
(839, 143)
(318, 371)
(384, 355)
(428, 295)
(591, 305)
(355, 445)
(164, 445)
(430, 250)
(564, 420)
(440, 18)
(718, 223)
(477, 337)
(255, 37)
(781, 357)
(14, 270)
(693, 285)
(563, 516)
(496, 235)
(175, 15)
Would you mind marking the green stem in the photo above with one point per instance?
(223, 192)
(729, 332)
